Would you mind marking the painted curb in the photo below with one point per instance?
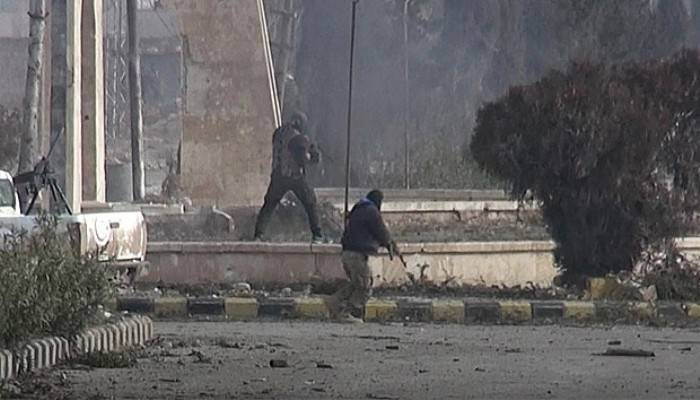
(461, 311)
(45, 353)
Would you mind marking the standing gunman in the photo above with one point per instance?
(292, 151)
(365, 232)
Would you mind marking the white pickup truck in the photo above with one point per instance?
(118, 238)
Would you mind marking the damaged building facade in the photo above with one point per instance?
(209, 100)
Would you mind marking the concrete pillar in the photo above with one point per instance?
(74, 174)
(231, 106)
(92, 107)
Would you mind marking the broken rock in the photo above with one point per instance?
(279, 364)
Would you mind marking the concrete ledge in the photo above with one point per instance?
(508, 263)
(45, 353)
(307, 248)
(466, 311)
(468, 206)
(338, 194)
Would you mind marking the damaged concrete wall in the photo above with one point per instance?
(228, 112)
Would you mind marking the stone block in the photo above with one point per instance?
(579, 311)
(610, 312)
(6, 365)
(415, 310)
(481, 311)
(515, 311)
(276, 307)
(671, 312)
(141, 305)
(148, 323)
(310, 307)
(123, 335)
(547, 310)
(116, 337)
(54, 346)
(380, 310)
(241, 308)
(169, 307)
(63, 349)
(642, 311)
(693, 311)
(448, 311)
(205, 306)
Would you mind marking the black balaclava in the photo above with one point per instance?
(376, 196)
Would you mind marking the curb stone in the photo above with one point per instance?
(461, 311)
(45, 353)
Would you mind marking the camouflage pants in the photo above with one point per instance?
(353, 294)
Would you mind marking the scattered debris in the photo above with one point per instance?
(200, 357)
(626, 353)
(392, 347)
(228, 345)
(513, 350)
(479, 369)
(614, 342)
(166, 354)
(279, 364)
(422, 371)
(125, 359)
(242, 288)
(323, 365)
(170, 380)
(381, 397)
(440, 343)
(318, 389)
(668, 341)
(685, 349)
(10, 389)
(280, 345)
(374, 337)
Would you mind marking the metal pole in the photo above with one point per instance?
(347, 140)
(407, 138)
(135, 100)
(34, 84)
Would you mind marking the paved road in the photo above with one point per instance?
(372, 361)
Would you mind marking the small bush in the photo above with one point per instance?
(611, 152)
(46, 288)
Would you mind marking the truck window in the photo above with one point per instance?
(7, 194)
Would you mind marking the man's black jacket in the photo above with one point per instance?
(365, 231)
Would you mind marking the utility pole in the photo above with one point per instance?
(135, 101)
(407, 136)
(347, 139)
(284, 42)
(34, 85)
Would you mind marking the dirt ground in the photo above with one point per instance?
(289, 224)
(394, 361)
